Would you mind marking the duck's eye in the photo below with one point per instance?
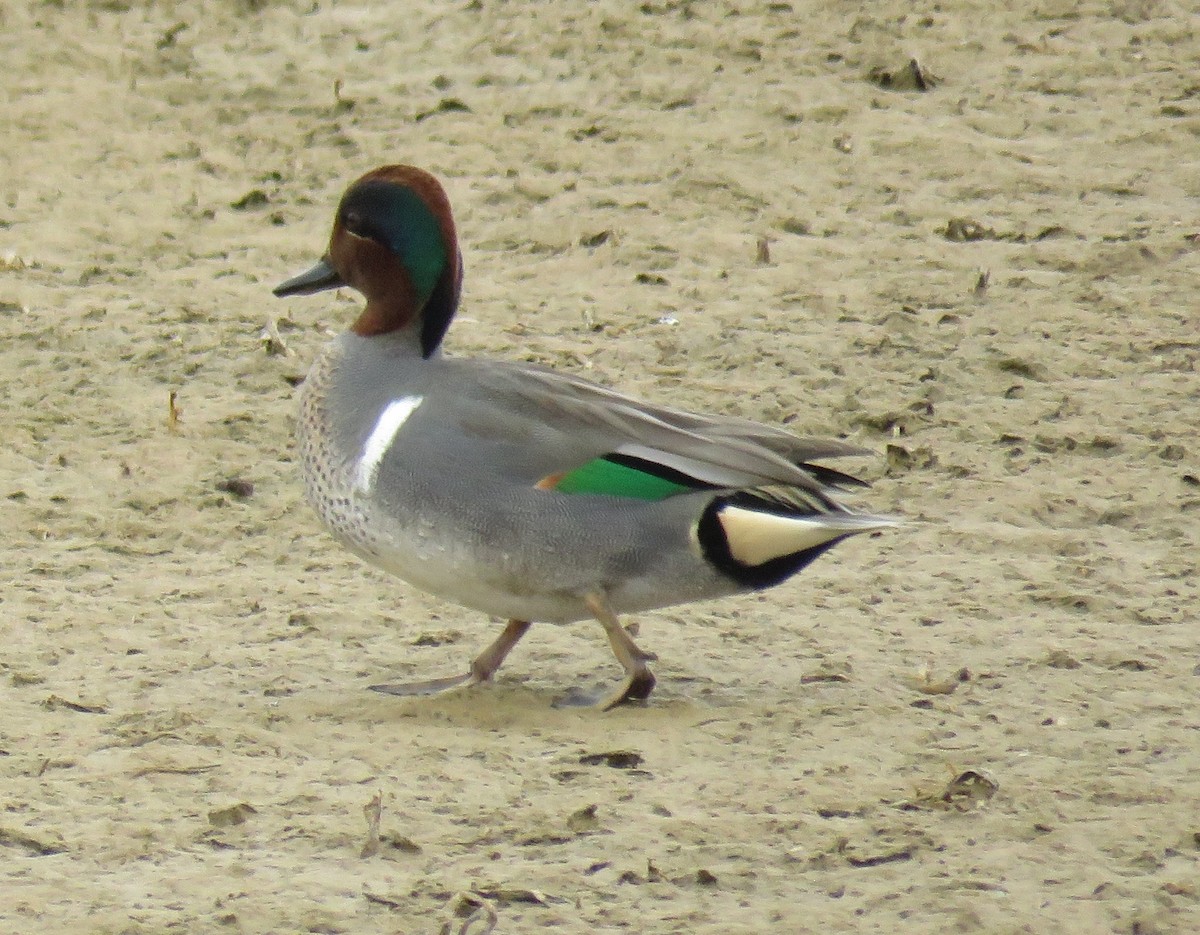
(353, 222)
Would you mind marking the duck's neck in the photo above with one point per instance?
(406, 340)
(387, 315)
(396, 312)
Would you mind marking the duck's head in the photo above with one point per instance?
(393, 240)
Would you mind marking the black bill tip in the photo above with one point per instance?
(321, 277)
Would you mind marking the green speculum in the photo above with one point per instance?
(602, 476)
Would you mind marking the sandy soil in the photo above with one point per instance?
(986, 721)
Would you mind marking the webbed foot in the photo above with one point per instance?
(482, 669)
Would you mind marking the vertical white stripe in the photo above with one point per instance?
(393, 417)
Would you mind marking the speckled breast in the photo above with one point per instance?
(328, 471)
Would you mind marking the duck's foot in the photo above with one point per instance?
(639, 680)
(631, 691)
(636, 688)
(482, 669)
(425, 687)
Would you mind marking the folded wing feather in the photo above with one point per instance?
(714, 451)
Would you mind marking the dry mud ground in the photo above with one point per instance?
(984, 722)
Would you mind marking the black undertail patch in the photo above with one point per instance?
(714, 544)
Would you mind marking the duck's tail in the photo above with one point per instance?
(763, 535)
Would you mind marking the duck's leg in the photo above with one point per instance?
(482, 668)
(639, 680)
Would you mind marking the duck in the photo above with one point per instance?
(526, 493)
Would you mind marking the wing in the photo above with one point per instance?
(602, 441)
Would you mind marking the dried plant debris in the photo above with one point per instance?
(596, 239)
(583, 820)
(30, 844)
(881, 845)
(447, 105)
(970, 789)
(381, 900)
(437, 638)
(1022, 368)
(875, 860)
(506, 895)
(887, 423)
(926, 684)
(701, 876)
(617, 759)
(969, 230)
(167, 39)
(375, 841)
(911, 76)
(10, 262)
(233, 815)
(836, 811)
(373, 813)
(965, 230)
(255, 198)
(272, 340)
(1061, 659)
(471, 908)
(341, 103)
(238, 486)
(54, 703)
(829, 671)
(169, 769)
(901, 460)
